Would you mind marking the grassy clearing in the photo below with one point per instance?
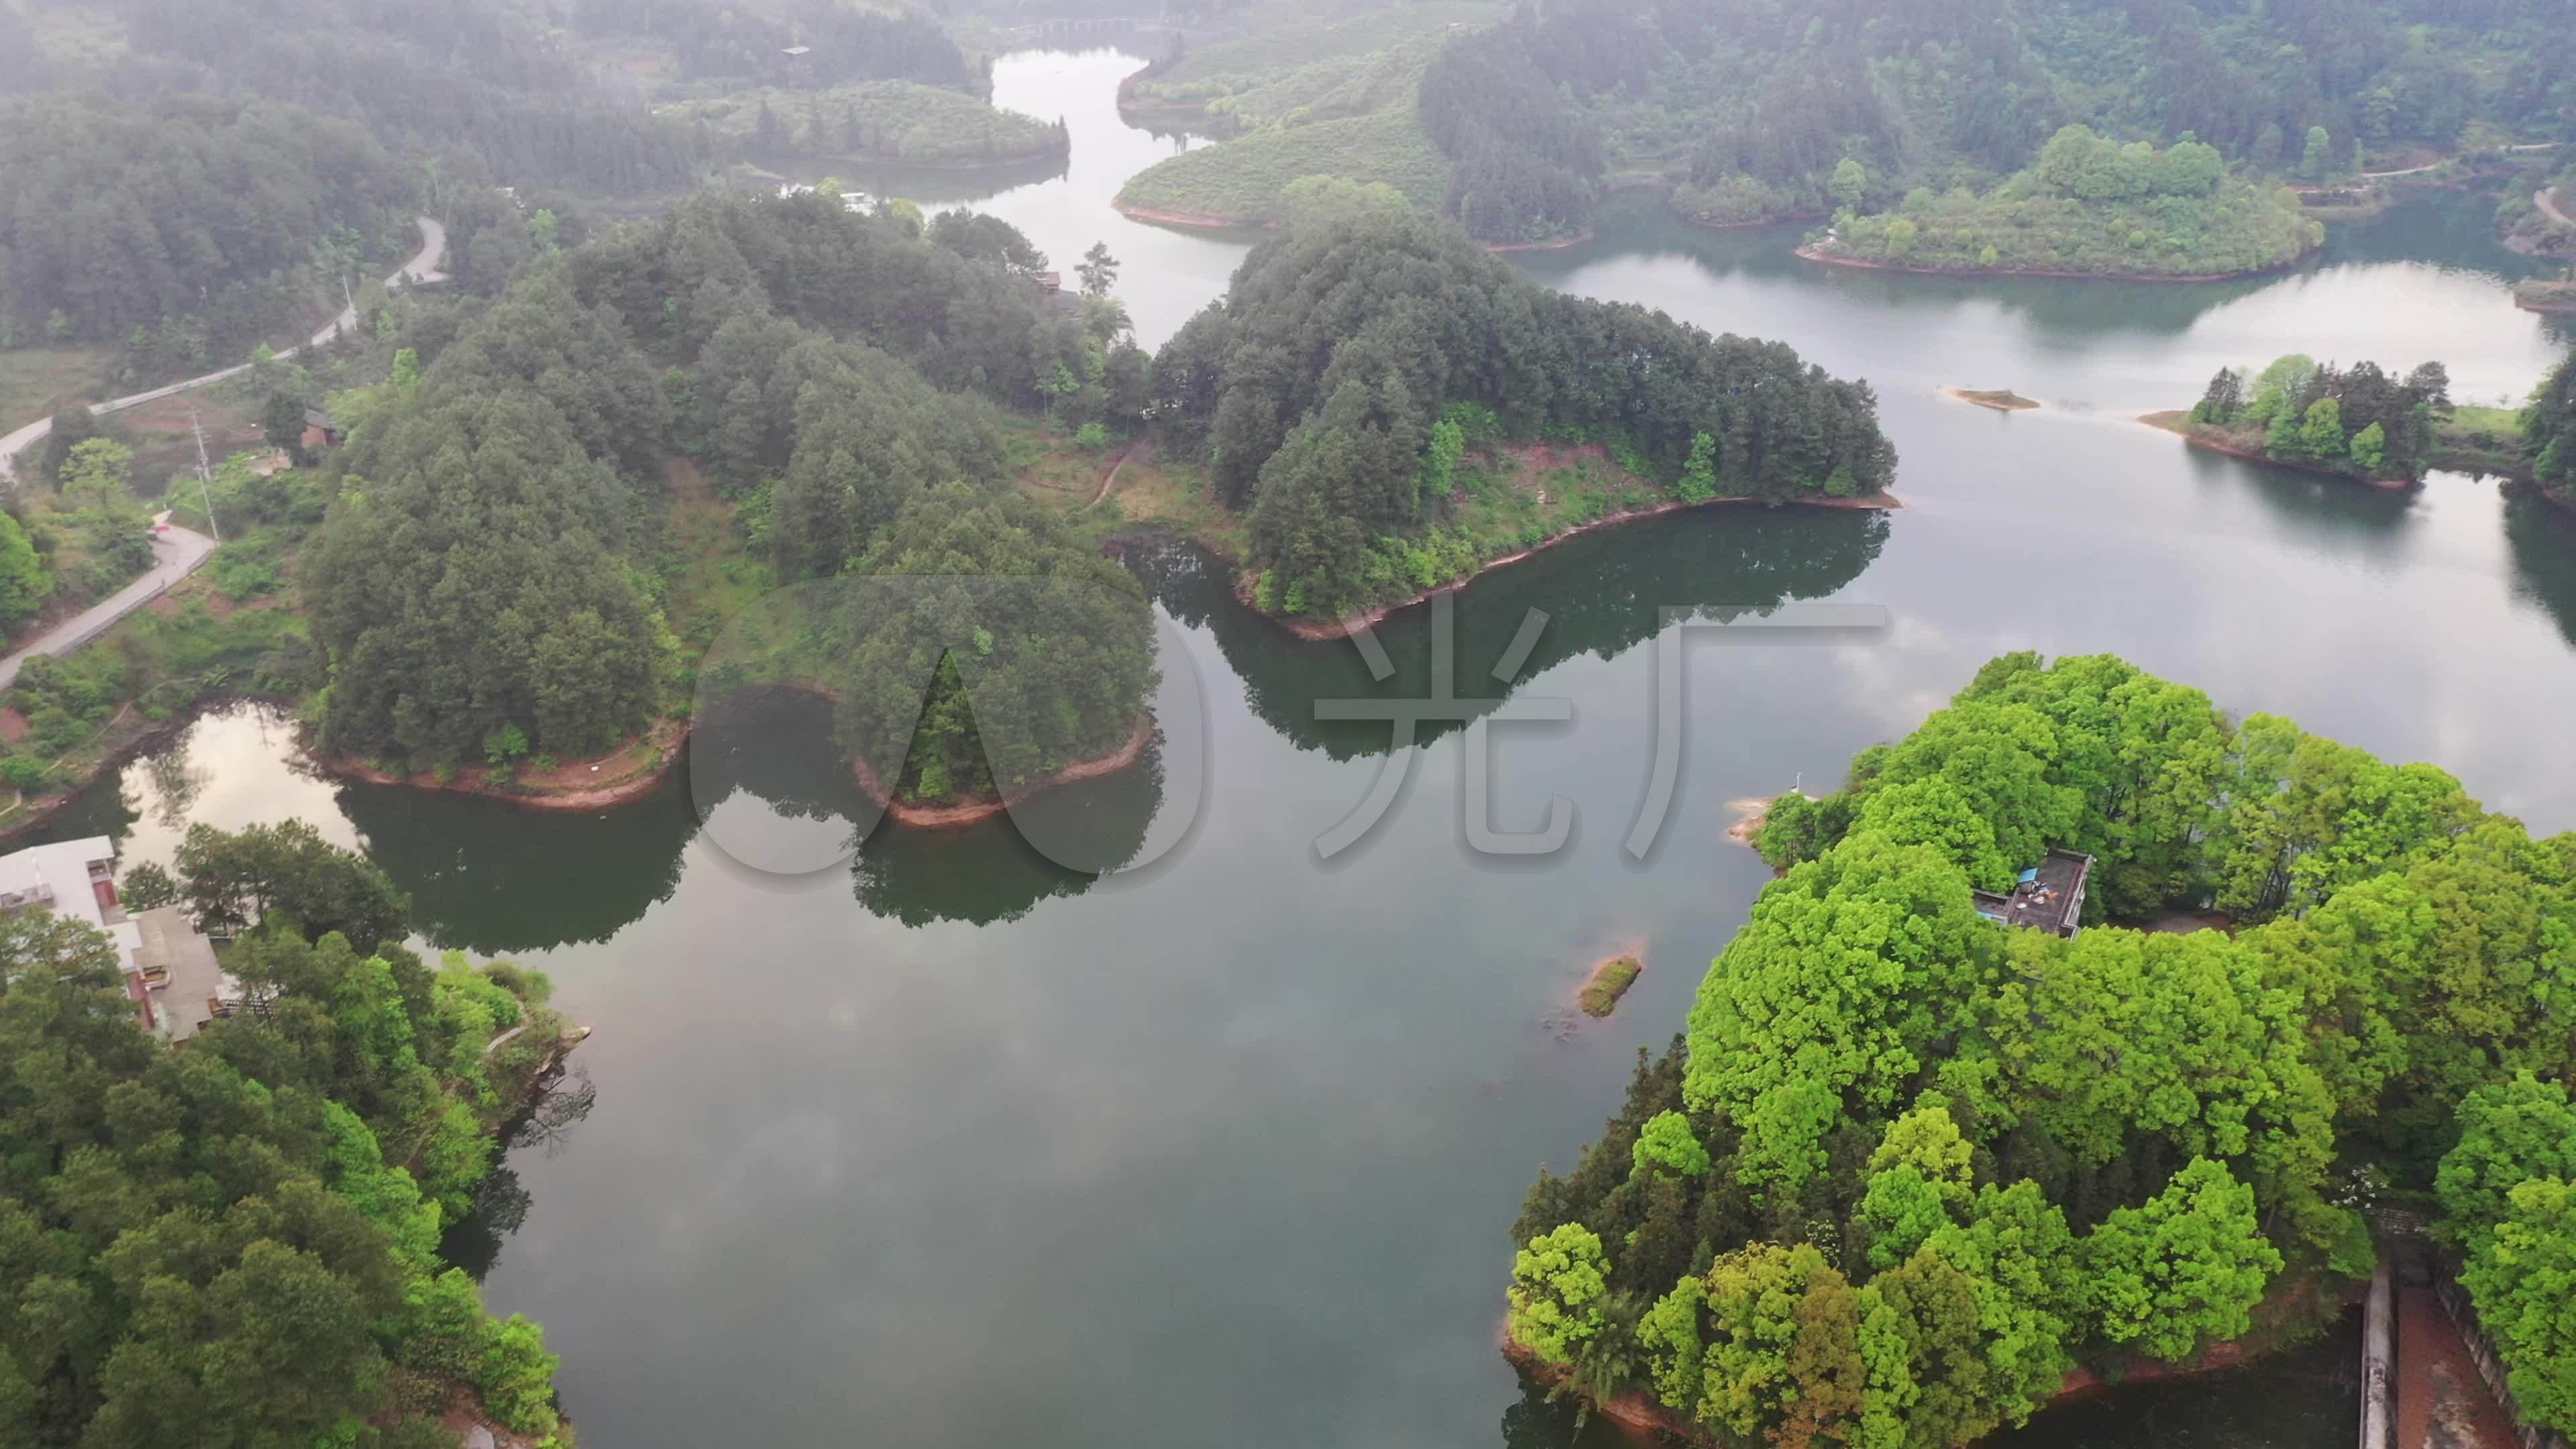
(1610, 981)
(2482, 440)
(1240, 180)
(1182, 498)
(36, 380)
(708, 575)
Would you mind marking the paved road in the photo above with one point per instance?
(2447, 160)
(420, 269)
(177, 552)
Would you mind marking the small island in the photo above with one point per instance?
(2089, 207)
(2001, 399)
(1955, 1133)
(1610, 980)
(2359, 422)
(890, 122)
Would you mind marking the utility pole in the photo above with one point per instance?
(205, 486)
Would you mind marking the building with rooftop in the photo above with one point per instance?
(170, 967)
(2048, 897)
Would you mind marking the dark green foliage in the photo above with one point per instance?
(2549, 430)
(2324, 416)
(1948, 1159)
(286, 874)
(1032, 651)
(1525, 167)
(185, 225)
(1337, 347)
(219, 1245)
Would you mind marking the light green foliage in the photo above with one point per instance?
(1247, 179)
(1699, 473)
(2524, 1284)
(24, 581)
(2369, 449)
(2201, 1098)
(2184, 1270)
(1091, 436)
(1440, 464)
(2510, 1133)
(1557, 1286)
(1850, 182)
(2090, 205)
(2321, 432)
(1885, 932)
(211, 1245)
(1668, 1142)
(2317, 157)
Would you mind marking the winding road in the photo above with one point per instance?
(419, 270)
(176, 551)
(2547, 200)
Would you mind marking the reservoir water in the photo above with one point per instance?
(955, 1147)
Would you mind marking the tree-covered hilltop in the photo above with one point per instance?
(1911, 1167)
(487, 582)
(890, 120)
(2089, 206)
(239, 1242)
(2358, 420)
(184, 230)
(1356, 361)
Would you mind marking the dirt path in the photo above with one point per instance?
(2547, 200)
(1109, 480)
(2441, 1401)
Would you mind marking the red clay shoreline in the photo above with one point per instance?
(671, 734)
(1349, 624)
(1202, 221)
(1644, 1419)
(1811, 252)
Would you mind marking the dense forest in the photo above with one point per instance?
(2549, 433)
(1747, 113)
(1354, 360)
(1911, 1167)
(2357, 420)
(2088, 206)
(484, 583)
(239, 1243)
(892, 120)
(183, 230)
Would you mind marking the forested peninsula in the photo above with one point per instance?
(241, 1242)
(2364, 423)
(1392, 409)
(1910, 1169)
(484, 587)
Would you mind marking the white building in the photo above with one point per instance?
(170, 966)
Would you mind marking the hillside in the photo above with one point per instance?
(889, 121)
(1242, 181)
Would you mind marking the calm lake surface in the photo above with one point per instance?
(955, 1147)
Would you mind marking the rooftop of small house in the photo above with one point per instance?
(2048, 897)
(178, 964)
